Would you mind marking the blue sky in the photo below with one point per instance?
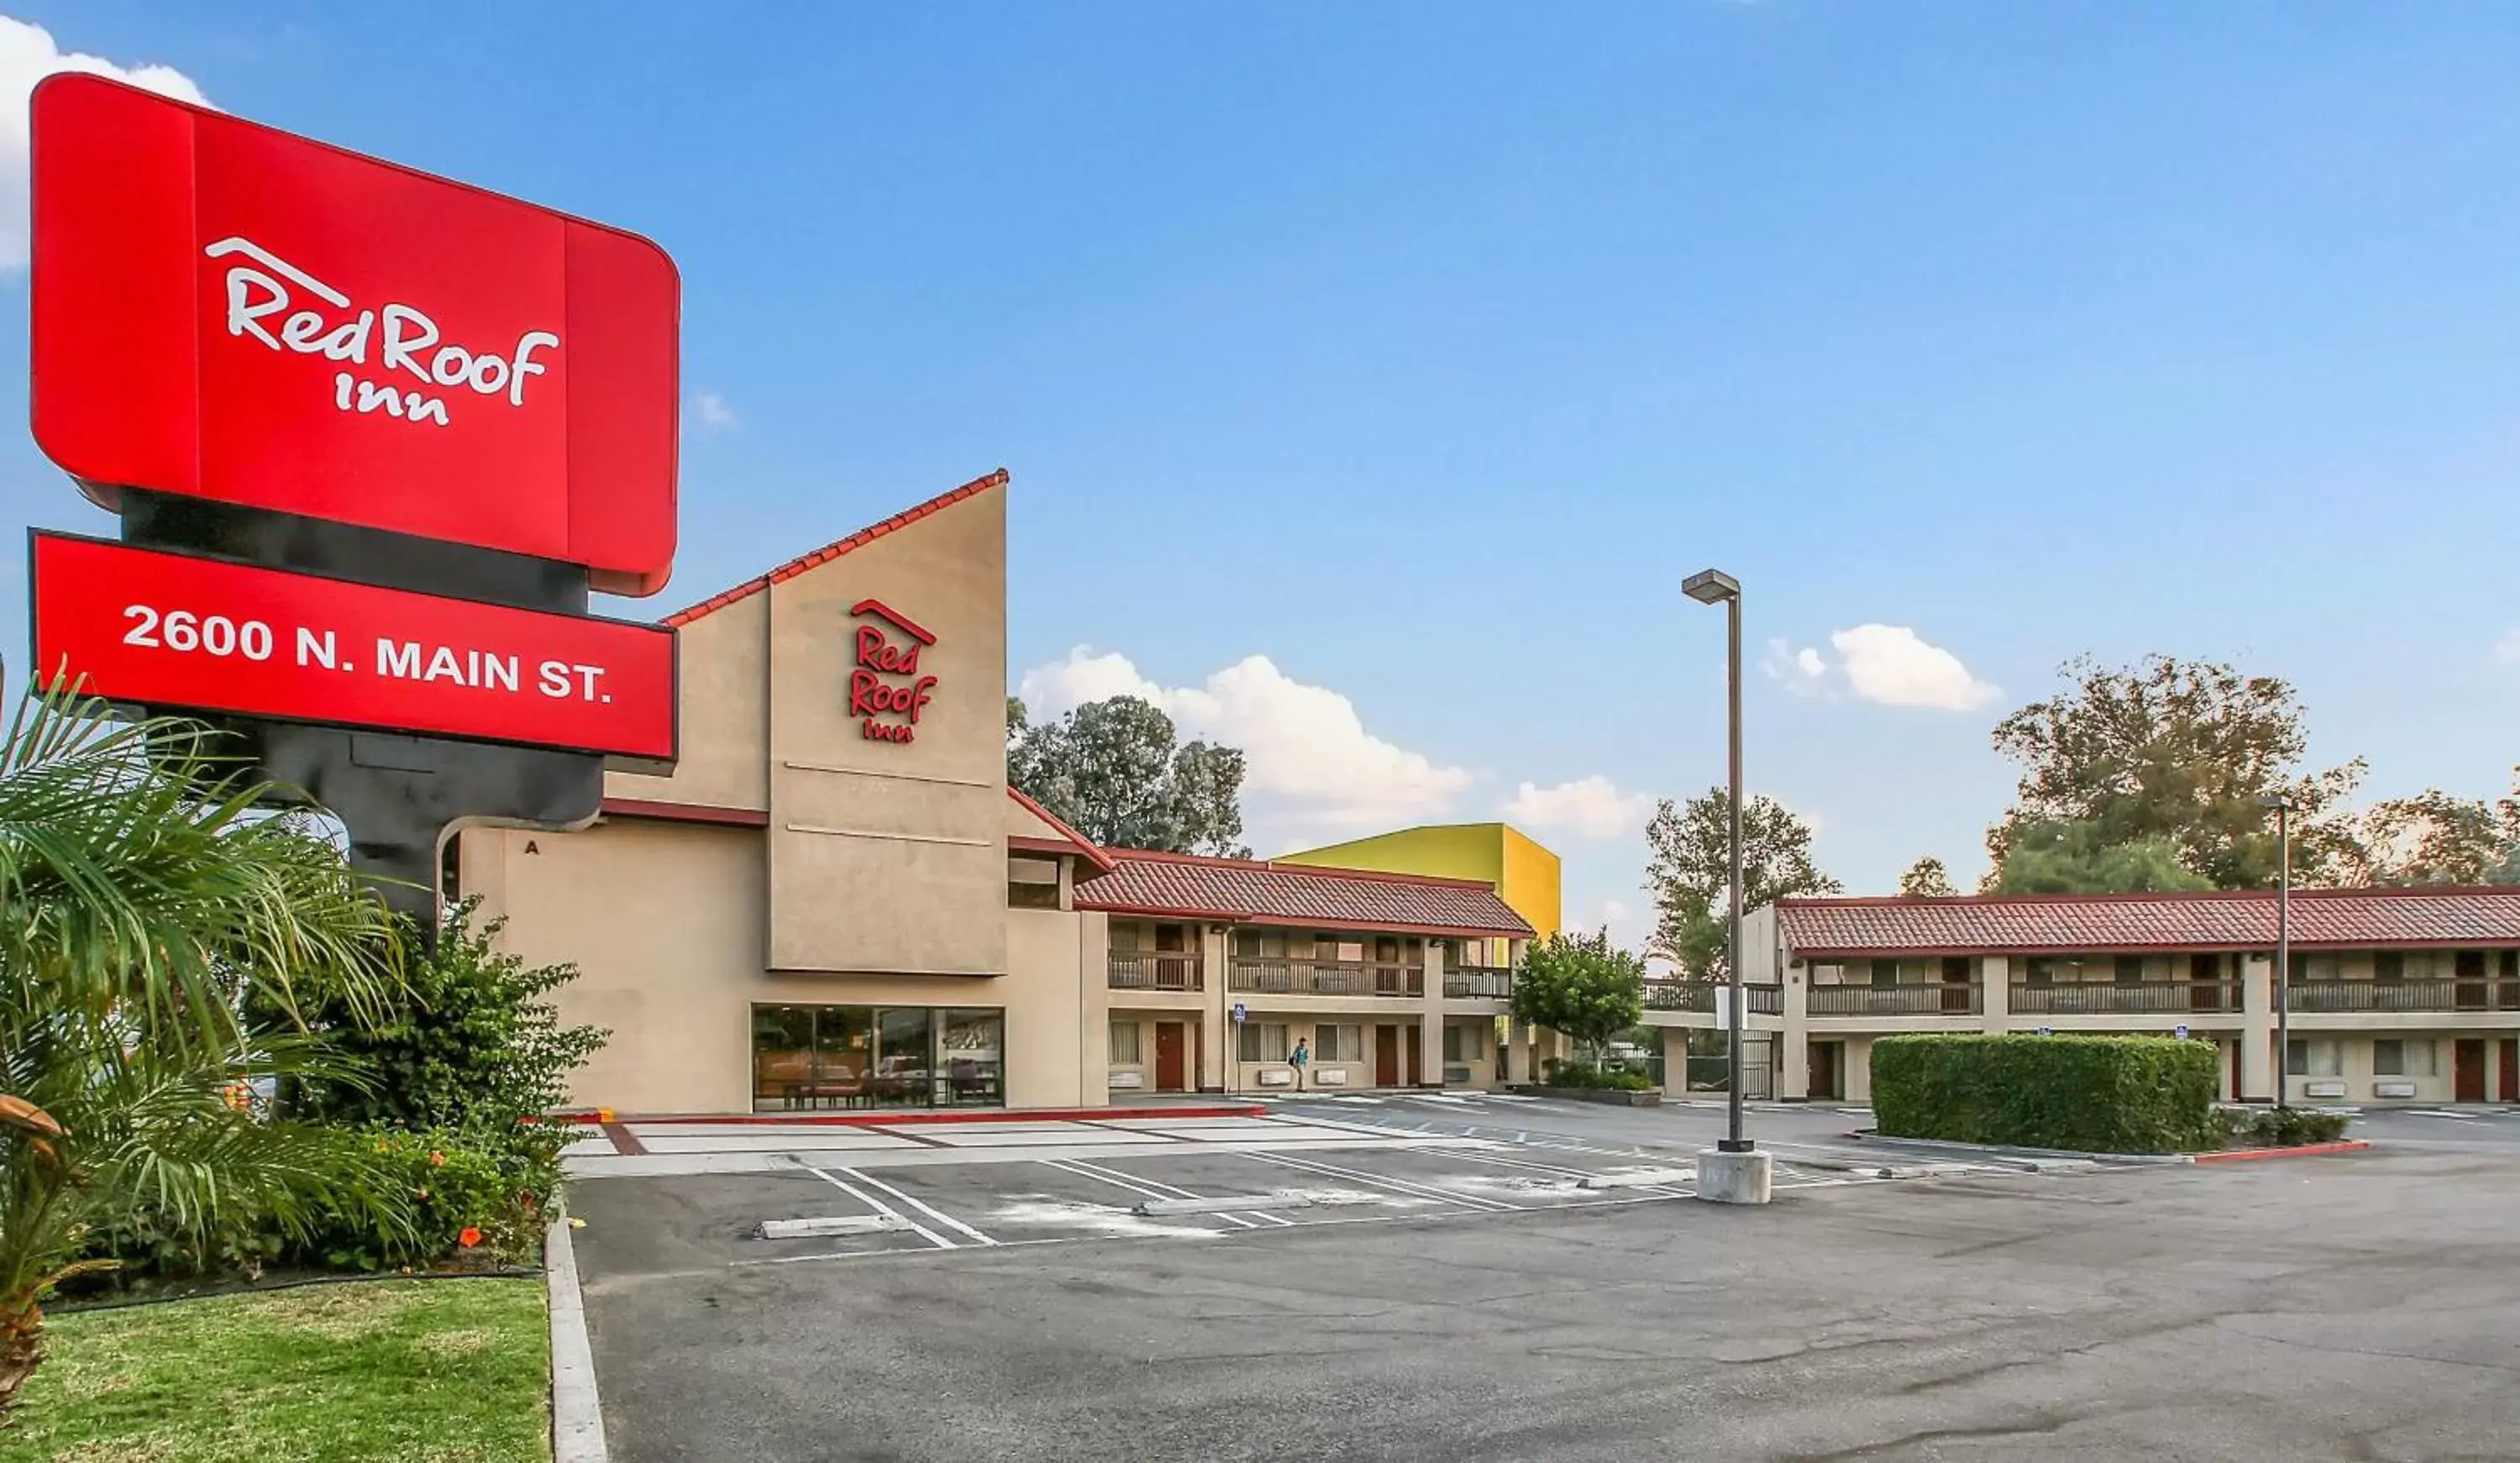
(1422, 349)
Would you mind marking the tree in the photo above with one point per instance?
(2075, 857)
(2435, 838)
(468, 1042)
(1690, 873)
(1112, 772)
(1926, 878)
(148, 900)
(2181, 751)
(1582, 985)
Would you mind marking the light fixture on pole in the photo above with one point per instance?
(2284, 941)
(1738, 1174)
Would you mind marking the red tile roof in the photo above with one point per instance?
(836, 547)
(2222, 920)
(1239, 890)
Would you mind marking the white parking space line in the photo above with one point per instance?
(1381, 1182)
(1142, 1188)
(922, 1206)
(880, 1207)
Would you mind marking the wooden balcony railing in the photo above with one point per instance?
(1699, 995)
(1151, 971)
(1268, 977)
(2156, 998)
(1478, 983)
(1895, 1001)
(2324, 995)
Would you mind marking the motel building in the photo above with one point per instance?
(2396, 994)
(835, 900)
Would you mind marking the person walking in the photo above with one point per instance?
(1299, 1058)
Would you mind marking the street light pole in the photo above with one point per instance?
(2284, 952)
(1713, 586)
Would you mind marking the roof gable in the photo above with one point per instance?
(837, 547)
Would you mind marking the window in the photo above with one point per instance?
(2394, 1057)
(2389, 965)
(1124, 1044)
(1338, 1043)
(2316, 1058)
(2511, 965)
(1023, 896)
(1885, 972)
(1261, 1042)
(1464, 1043)
(816, 1056)
(1333, 948)
(2128, 970)
(2042, 971)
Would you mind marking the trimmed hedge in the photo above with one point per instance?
(2090, 1094)
(2282, 1126)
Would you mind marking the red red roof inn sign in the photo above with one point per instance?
(465, 404)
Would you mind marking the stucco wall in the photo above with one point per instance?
(725, 710)
(915, 831)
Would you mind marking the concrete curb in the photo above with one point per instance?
(578, 1415)
(2027, 1159)
(2303, 1150)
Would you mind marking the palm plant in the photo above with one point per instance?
(149, 899)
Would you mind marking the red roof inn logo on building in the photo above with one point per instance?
(886, 689)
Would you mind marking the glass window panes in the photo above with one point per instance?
(2128, 970)
(2388, 1059)
(824, 1056)
(1124, 1044)
(971, 1049)
(1262, 1042)
(1885, 972)
(2389, 965)
(2317, 1057)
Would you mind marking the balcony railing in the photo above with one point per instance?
(2322, 995)
(2157, 998)
(1478, 983)
(1262, 977)
(1895, 1001)
(1699, 995)
(1151, 971)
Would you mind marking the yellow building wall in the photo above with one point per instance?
(1524, 872)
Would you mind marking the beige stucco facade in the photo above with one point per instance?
(790, 859)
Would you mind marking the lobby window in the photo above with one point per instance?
(2396, 1057)
(1262, 1041)
(2317, 1057)
(1124, 1044)
(835, 1057)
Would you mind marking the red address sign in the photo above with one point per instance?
(228, 311)
(174, 632)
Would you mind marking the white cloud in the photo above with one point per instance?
(2508, 652)
(1587, 807)
(1311, 760)
(27, 55)
(1889, 664)
(712, 413)
(1801, 671)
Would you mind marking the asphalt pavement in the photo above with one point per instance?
(1459, 1296)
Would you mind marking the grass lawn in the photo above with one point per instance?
(439, 1371)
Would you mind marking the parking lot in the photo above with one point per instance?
(735, 1195)
(1054, 1292)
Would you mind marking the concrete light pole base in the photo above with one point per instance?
(1733, 1178)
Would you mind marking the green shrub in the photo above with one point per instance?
(1585, 1074)
(2281, 1127)
(2093, 1095)
(454, 1188)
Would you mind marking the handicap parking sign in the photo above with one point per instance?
(1240, 1013)
(2182, 1031)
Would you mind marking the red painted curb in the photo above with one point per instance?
(2306, 1150)
(899, 1119)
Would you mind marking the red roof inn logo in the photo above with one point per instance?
(224, 311)
(885, 682)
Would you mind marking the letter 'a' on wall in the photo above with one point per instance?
(226, 311)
